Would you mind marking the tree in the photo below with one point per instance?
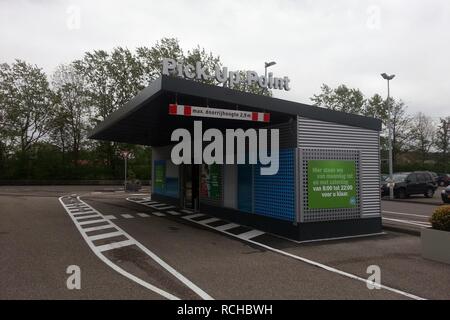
(422, 135)
(110, 80)
(341, 98)
(442, 143)
(26, 101)
(352, 100)
(72, 110)
(377, 107)
(150, 59)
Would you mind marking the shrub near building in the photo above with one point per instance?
(440, 220)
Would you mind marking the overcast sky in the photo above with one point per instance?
(313, 42)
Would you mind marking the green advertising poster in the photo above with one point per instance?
(331, 184)
(214, 181)
(160, 175)
(210, 181)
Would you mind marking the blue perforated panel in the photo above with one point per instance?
(274, 196)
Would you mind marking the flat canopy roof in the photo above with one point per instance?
(145, 119)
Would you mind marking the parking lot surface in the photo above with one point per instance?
(129, 250)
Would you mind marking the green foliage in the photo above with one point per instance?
(341, 98)
(442, 143)
(440, 220)
(421, 135)
(352, 100)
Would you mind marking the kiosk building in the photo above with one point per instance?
(328, 180)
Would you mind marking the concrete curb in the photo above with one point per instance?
(411, 232)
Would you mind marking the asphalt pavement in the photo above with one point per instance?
(166, 253)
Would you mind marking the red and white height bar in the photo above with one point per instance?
(185, 110)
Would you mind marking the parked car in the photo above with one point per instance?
(434, 175)
(409, 183)
(445, 195)
(443, 180)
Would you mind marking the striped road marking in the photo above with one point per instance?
(105, 235)
(130, 241)
(158, 214)
(165, 208)
(192, 216)
(174, 213)
(143, 215)
(250, 234)
(210, 220)
(227, 226)
(159, 205)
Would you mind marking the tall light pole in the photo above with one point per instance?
(388, 102)
(267, 65)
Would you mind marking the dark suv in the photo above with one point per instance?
(408, 183)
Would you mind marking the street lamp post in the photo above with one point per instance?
(267, 65)
(388, 102)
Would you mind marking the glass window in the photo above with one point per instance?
(423, 177)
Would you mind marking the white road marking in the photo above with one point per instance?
(110, 217)
(90, 222)
(406, 214)
(174, 213)
(72, 205)
(194, 216)
(86, 226)
(97, 251)
(147, 202)
(138, 194)
(105, 235)
(223, 229)
(84, 214)
(106, 226)
(165, 208)
(210, 220)
(226, 227)
(411, 222)
(143, 215)
(159, 205)
(187, 211)
(311, 262)
(77, 210)
(158, 214)
(115, 245)
(91, 215)
(127, 216)
(250, 234)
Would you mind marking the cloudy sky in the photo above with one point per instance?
(313, 42)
